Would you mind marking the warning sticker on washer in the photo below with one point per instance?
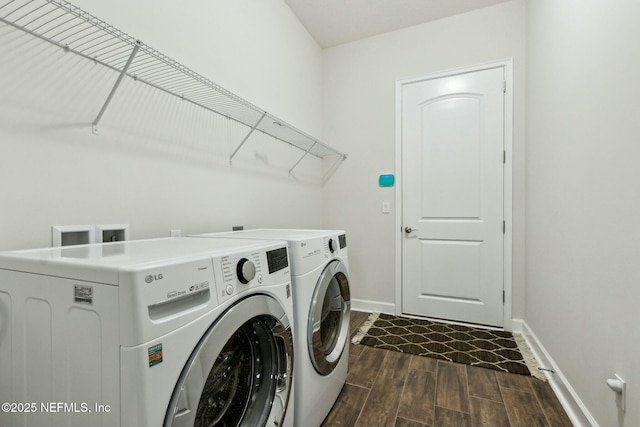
(83, 294)
(155, 355)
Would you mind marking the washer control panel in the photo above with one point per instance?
(243, 271)
(246, 270)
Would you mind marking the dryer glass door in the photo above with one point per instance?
(328, 326)
(239, 373)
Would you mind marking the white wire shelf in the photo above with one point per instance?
(71, 28)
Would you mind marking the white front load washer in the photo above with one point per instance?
(166, 332)
(322, 307)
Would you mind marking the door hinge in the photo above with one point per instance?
(504, 227)
(504, 157)
(503, 297)
(504, 86)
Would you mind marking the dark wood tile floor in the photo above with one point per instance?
(387, 388)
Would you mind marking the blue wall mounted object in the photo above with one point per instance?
(386, 180)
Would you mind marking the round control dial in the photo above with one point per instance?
(246, 270)
(332, 247)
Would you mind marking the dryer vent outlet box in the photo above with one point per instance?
(68, 235)
(113, 236)
(112, 233)
(75, 238)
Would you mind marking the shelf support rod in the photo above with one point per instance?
(303, 156)
(246, 137)
(334, 166)
(123, 72)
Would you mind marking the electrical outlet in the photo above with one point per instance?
(175, 233)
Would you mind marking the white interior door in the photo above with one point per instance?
(452, 197)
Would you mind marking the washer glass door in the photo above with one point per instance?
(328, 326)
(239, 373)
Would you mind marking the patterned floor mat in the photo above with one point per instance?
(492, 349)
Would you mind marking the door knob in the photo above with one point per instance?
(408, 229)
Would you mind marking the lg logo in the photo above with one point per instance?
(151, 277)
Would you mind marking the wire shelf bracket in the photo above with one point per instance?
(75, 30)
(115, 87)
(245, 138)
(301, 158)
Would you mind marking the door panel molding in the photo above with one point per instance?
(507, 65)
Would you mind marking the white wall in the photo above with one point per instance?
(158, 163)
(359, 111)
(583, 197)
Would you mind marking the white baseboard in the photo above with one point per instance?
(517, 325)
(571, 402)
(373, 306)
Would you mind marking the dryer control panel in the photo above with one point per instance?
(334, 245)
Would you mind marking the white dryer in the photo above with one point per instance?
(166, 332)
(322, 306)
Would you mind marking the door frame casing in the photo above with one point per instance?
(507, 273)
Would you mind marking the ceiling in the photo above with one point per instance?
(333, 22)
